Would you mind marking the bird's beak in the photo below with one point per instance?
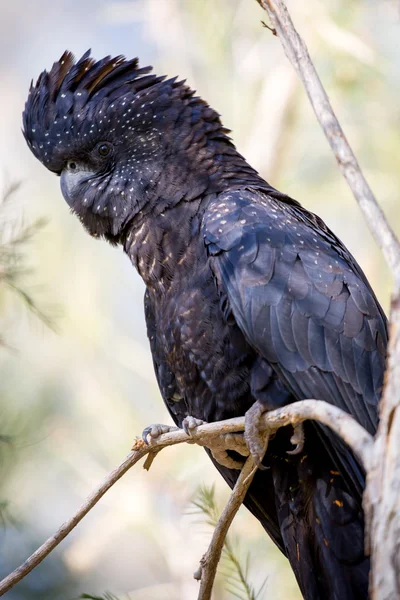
(71, 181)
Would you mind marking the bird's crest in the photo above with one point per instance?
(70, 86)
(79, 104)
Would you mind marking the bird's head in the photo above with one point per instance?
(122, 139)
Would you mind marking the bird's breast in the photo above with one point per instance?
(206, 352)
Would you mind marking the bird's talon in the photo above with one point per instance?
(297, 440)
(190, 424)
(297, 450)
(229, 442)
(154, 431)
(256, 433)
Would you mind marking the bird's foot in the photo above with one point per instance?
(297, 439)
(256, 433)
(152, 432)
(220, 445)
(233, 442)
(190, 424)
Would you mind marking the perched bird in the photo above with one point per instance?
(251, 301)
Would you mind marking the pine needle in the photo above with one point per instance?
(14, 235)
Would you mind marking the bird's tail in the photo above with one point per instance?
(321, 522)
(313, 513)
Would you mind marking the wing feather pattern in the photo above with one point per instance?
(306, 308)
(301, 300)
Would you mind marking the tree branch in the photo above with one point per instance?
(381, 499)
(297, 53)
(382, 496)
(210, 560)
(205, 435)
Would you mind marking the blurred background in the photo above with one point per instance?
(73, 395)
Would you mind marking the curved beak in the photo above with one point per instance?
(71, 181)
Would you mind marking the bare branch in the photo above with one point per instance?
(382, 497)
(44, 550)
(297, 53)
(205, 435)
(210, 560)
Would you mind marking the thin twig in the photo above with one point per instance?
(342, 423)
(297, 53)
(210, 560)
(44, 550)
(272, 30)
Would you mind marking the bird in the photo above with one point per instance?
(251, 301)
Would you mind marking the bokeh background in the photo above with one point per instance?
(73, 398)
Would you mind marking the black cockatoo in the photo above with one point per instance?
(251, 300)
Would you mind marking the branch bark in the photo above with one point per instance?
(382, 496)
(343, 424)
(210, 560)
(297, 53)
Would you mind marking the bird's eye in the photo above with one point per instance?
(104, 149)
(71, 165)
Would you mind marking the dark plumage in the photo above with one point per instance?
(249, 297)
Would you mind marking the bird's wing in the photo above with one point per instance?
(300, 298)
(304, 305)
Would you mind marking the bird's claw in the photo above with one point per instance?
(256, 432)
(190, 424)
(219, 445)
(154, 431)
(297, 439)
(229, 441)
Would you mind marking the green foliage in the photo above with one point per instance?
(235, 573)
(14, 236)
(106, 596)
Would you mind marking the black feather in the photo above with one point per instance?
(249, 296)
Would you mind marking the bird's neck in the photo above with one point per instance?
(161, 245)
(161, 238)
